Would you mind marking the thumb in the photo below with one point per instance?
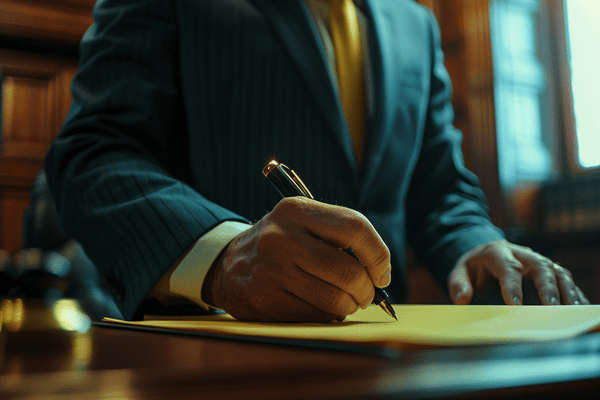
(459, 285)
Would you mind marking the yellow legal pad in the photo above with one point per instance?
(417, 326)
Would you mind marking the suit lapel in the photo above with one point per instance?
(386, 61)
(293, 23)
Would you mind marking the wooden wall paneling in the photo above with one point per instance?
(27, 120)
(481, 105)
(56, 21)
(34, 93)
(61, 83)
(35, 98)
(466, 41)
(13, 202)
(16, 180)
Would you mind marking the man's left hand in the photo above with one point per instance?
(509, 264)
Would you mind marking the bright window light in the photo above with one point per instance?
(583, 21)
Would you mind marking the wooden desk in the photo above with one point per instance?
(127, 364)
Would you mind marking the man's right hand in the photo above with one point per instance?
(289, 266)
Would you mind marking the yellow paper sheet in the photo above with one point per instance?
(418, 325)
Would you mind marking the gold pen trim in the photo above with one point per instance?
(288, 173)
(297, 181)
(270, 167)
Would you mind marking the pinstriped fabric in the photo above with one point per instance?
(137, 109)
(178, 105)
(262, 106)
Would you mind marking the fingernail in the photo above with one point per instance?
(517, 300)
(386, 278)
(576, 302)
(554, 301)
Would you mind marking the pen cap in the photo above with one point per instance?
(285, 180)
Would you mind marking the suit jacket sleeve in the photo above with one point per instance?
(447, 213)
(112, 167)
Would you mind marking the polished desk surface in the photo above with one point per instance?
(133, 364)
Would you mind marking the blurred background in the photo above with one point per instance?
(525, 97)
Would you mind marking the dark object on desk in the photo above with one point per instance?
(43, 235)
(34, 272)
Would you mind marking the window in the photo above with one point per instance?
(583, 43)
(519, 86)
(546, 57)
(546, 83)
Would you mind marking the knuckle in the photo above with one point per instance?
(336, 300)
(490, 250)
(548, 277)
(562, 272)
(513, 264)
(267, 239)
(270, 239)
(522, 249)
(545, 263)
(286, 206)
(355, 223)
(289, 202)
(382, 257)
(351, 277)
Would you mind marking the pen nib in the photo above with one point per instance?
(387, 307)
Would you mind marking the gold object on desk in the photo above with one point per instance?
(31, 327)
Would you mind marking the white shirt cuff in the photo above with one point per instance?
(188, 277)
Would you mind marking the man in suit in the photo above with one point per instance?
(177, 106)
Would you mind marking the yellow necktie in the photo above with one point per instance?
(345, 35)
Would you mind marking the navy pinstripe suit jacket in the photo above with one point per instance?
(177, 106)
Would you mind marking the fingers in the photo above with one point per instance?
(322, 231)
(459, 285)
(554, 283)
(343, 228)
(259, 287)
(337, 268)
(570, 293)
(510, 264)
(582, 298)
(545, 282)
(541, 270)
(321, 295)
(322, 276)
(297, 247)
(290, 267)
(497, 259)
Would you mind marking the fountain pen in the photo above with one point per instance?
(289, 184)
